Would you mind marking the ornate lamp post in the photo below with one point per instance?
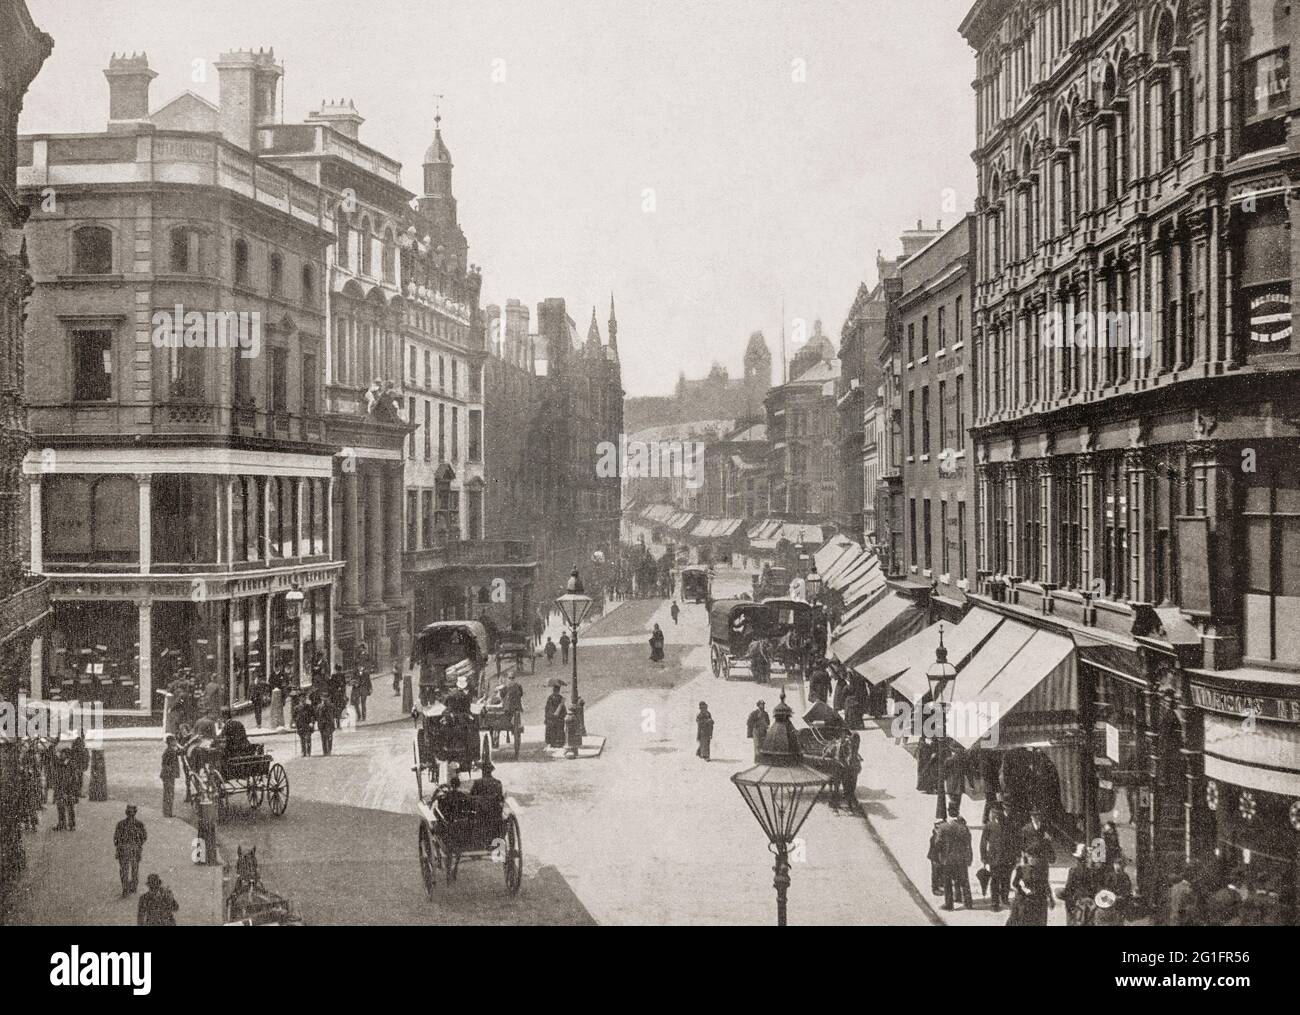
(574, 605)
(942, 678)
(780, 791)
(293, 611)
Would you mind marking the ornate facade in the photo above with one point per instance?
(1135, 416)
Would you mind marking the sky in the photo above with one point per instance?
(706, 161)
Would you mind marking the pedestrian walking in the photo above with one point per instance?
(1031, 892)
(675, 611)
(67, 789)
(656, 645)
(554, 716)
(171, 771)
(81, 758)
(703, 731)
(550, 651)
(362, 688)
(936, 864)
(304, 716)
(128, 844)
(1033, 838)
(157, 905)
(325, 723)
(260, 695)
(998, 854)
(757, 725)
(564, 646)
(819, 684)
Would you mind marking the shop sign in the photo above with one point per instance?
(1277, 709)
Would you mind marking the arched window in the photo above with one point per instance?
(342, 252)
(995, 223)
(1031, 199)
(308, 285)
(388, 255)
(275, 272)
(241, 261)
(92, 251)
(365, 246)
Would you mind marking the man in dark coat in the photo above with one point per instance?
(550, 651)
(157, 905)
(998, 853)
(304, 718)
(128, 844)
(936, 865)
(338, 692)
(362, 688)
(1033, 838)
(67, 789)
(756, 727)
(819, 685)
(954, 845)
(512, 697)
(703, 731)
(564, 647)
(1079, 889)
(325, 723)
(170, 772)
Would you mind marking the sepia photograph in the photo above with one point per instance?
(699, 463)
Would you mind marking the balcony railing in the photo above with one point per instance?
(472, 553)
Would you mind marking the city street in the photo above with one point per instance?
(646, 833)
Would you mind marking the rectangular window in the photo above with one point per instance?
(413, 367)
(911, 422)
(426, 516)
(961, 539)
(474, 437)
(911, 342)
(427, 381)
(925, 336)
(943, 329)
(279, 380)
(926, 522)
(960, 437)
(442, 374)
(413, 418)
(442, 432)
(309, 385)
(925, 420)
(185, 250)
(455, 375)
(912, 528)
(957, 321)
(943, 536)
(1272, 564)
(428, 429)
(92, 365)
(943, 415)
(412, 519)
(455, 434)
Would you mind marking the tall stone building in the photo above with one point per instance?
(24, 603)
(1139, 478)
(180, 483)
(803, 460)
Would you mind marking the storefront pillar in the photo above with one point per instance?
(144, 488)
(145, 662)
(374, 538)
(37, 564)
(37, 671)
(393, 542)
(300, 485)
(351, 573)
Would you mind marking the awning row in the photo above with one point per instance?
(716, 528)
(1002, 665)
(775, 530)
(668, 516)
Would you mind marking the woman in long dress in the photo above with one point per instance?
(1031, 893)
(657, 645)
(555, 713)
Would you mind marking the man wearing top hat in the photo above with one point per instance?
(128, 843)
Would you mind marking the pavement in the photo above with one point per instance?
(72, 877)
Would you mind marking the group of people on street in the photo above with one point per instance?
(549, 649)
(52, 768)
(158, 906)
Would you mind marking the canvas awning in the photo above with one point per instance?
(887, 623)
(961, 641)
(1036, 680)
(833, 551)
(848, 560)
(894, 662)
(865, 587)
(853, 572)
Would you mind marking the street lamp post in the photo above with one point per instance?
(574, 606)
(942, 678)
(780, 791)
(293, 611)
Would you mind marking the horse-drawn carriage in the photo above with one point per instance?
(739, 633)
(218, 768)
(695, 583)
(461, 818)
(516, 647)
(458, 645)
(830, 746)
(792, 624)
(252, 904)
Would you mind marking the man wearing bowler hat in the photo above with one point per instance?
(128, 843)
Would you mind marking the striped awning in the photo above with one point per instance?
(1036, 679)
(887, 623)
(837, 547)
(962, 641)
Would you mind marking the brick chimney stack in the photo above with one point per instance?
(341, 115)
(128, 89)
(248, 82)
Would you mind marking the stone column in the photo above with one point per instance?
(350, 541)
(37, 561)
(145, 635)
(144, 485)
(1087, 476)
(1047, 519)
(300, 530)
(393, 544)
(264, 492)
(1136, 481)
(374, 537)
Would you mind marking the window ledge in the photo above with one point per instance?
(941, 353)
(959, 345)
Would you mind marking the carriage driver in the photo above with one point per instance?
(234, 734)
(488, 787)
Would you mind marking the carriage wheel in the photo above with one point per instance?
(256, 791)
(713, 659)
(514, 856)
(430, 858)
(726, 668)
(496, 739)
(277, 789)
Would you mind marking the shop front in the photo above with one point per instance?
(1252, 786)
